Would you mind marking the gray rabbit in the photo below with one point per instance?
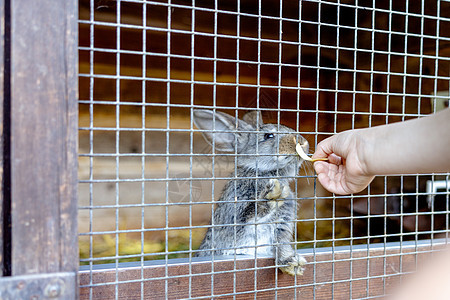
(255, 212)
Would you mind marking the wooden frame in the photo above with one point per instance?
(39, 177)
(339, 273)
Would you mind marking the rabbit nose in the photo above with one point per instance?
(287, 144)
(303, 143)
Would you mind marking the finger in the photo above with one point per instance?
(332, 170)
(331, 178)
(335, 159)
(329, 184)
(324, 180)
(320, 167)
(324, 148)
(326, 172)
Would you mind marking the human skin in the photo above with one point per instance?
(355, 157)
(431, 282)
(415, 146)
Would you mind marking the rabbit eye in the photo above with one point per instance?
(268, 136)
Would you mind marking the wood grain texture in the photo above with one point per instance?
(342, 275)
(44, 136)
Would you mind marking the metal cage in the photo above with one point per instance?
(149, 183)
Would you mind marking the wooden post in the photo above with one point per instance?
(42, 74)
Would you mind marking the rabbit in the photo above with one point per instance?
(255, 212)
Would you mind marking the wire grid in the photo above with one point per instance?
(148, 182)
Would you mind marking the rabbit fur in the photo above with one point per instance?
(256, 210)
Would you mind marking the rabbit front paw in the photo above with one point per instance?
(295, 265)
(275, 190)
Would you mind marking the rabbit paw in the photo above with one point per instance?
(275, 190)
(295, 265)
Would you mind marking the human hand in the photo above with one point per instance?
(346, 170)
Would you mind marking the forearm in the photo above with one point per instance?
(414, 146)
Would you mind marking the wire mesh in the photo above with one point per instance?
(149, 182)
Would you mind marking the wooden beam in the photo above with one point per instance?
(43, 80)
(338, 274)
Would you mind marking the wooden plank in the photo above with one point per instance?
(342, 275)
(44, 136)
(39, 286)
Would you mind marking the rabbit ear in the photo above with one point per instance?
(254, 118)
(223, 128)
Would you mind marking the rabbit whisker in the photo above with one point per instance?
(306, 172)
(309, 169)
